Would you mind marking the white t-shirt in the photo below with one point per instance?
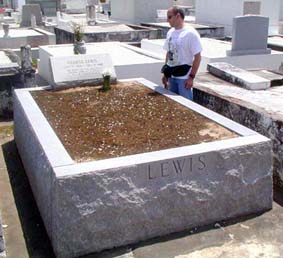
(182, 45)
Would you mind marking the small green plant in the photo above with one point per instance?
(78, 32)
(79, 44)
(34, 63)
(106, 81)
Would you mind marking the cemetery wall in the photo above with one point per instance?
(222, 12)
(48, 7)
(123, 10)
(281, 11)
(73, 6)
(137, 11)
(136, 35)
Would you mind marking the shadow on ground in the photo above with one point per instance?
(36, 238)
(278, 196)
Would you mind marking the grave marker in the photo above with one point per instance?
(91, 15)
(28, 10)
(249, 35)
(33, 21)
(80, 70)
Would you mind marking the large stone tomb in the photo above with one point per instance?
(90, 206)
(26, 36)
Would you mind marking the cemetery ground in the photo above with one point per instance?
(259, 235)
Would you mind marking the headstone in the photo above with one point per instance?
(27, 11)
(238, 76)
(27, 71)
(6, 30)
(33, 21)
(80, 70)
(91, 14)
(58, 15)
(26, 57)
(9, 80)
(249, 35)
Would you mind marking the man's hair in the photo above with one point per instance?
(177, 10)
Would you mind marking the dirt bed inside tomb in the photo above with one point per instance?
(128, 119)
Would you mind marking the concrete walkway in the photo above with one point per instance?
(255, 236)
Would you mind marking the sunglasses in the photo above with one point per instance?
(169, 17)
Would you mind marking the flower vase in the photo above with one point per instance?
(79, 47)
(106, 83)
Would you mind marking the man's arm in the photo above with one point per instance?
(195, 66)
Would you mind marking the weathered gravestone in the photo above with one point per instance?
(249, 35)
(91, 14)
(9, 79)
(33, 21)
(6, 30)
(76, 70)
(28, 11)
(27, 71)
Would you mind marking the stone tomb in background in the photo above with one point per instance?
(216, 51)
(107, 30)
(90, 206)
(26, 36)
(128, 61)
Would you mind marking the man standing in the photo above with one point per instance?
(183, 54)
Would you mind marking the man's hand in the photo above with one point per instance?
(165, 82)
(189, 83)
